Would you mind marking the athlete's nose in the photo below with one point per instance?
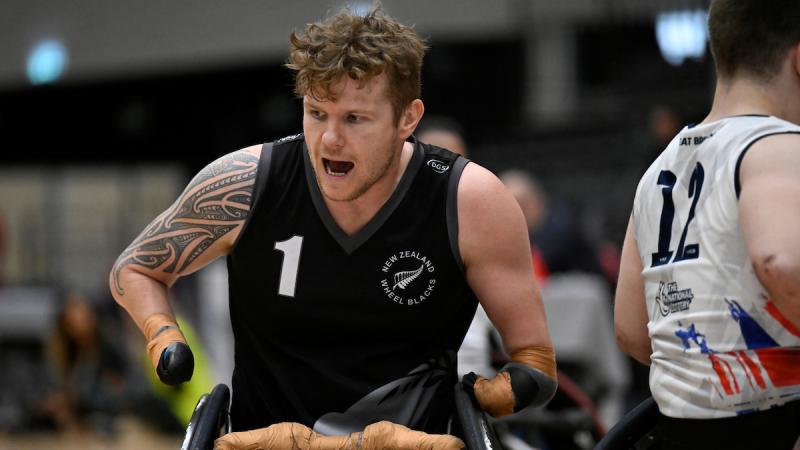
(332, 137)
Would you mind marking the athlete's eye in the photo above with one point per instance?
(316, 114)
(352, 118)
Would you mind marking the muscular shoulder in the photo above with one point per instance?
(489, 217)
(199, 226)
(479, 188)
(222, 189)
(772, 154)
(235, 162)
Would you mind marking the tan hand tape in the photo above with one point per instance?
(539, 357)
(495, 396)
(388, 435)
(160, 330)
(295, 436)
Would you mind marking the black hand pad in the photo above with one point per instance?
(468, 381)
(176, 364)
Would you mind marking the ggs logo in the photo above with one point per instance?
(438, 166)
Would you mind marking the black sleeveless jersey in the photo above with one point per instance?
(338, 331)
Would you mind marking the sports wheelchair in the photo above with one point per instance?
(210, 420)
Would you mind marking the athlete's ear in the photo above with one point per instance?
(796, 59)
(410, 118)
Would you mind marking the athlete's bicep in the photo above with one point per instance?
(630, 309)
(200, 226)
(769, 214)
(494, 244)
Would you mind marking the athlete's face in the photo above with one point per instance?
(354, 142)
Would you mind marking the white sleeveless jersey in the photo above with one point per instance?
(720, 347)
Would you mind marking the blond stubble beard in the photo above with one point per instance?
(369, 182)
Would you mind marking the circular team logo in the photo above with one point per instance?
(408, 278)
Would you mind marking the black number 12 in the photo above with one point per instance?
(667, 180)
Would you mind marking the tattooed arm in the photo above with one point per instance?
(200, 226)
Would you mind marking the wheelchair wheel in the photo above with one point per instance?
(634, 430)
(209, 420)
(471, 423)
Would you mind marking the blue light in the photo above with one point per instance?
(681, 35)
(360, 8)
(46, 62)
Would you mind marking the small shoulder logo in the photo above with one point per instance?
(293, 137)
(409, 278)
(438, 166)
(670, 299)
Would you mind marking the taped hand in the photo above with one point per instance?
(171, 356)
(529, 380)
(378, 436)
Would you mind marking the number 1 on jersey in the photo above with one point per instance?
(667, 180)
(291, 261)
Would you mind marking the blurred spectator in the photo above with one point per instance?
(482, 352)
(558, 244)
(576, 294)
(442, 132)
(664, 124)
(93, 380)
(89, 371)
(2, 249)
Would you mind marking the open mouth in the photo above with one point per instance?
(337, 168)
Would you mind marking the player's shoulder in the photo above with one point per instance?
(779, 141)
(238, 164)
(778, 150)
(478, 181)
(242, 155)
(298, 137)
(482, 196)
(247, 153)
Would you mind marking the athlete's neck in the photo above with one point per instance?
(742, 96)
(352, 215)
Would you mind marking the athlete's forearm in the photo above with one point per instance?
(638, 350)
(140, 295)
(145, 300)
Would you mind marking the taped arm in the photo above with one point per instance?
(630, 309)
(200, 226)
(494, 244)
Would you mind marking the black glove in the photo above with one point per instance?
(468, 381)
(176, 364)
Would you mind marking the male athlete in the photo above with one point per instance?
(356, 259)
(709, 288)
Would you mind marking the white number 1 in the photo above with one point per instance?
(291, 260)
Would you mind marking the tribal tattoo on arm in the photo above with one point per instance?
(215, 202)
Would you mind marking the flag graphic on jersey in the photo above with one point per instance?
(763, 362)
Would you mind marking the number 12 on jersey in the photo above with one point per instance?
(291, 261)
(667, 181)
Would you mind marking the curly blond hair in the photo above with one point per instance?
(360, 47)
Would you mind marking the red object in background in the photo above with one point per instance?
(540, 271)
(609, 257)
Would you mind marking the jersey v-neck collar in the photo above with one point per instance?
(351, 243)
